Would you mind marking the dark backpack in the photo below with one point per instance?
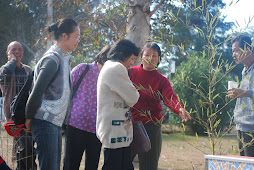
(18, 104)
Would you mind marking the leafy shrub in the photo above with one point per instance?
(209, 110)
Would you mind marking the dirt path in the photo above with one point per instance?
(179, 155)
(176, 153)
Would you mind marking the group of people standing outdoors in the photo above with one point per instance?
(101, 111)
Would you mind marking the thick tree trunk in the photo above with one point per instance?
(138, 26)
(138, 23)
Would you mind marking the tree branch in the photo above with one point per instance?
(132, 2)
(146, 8)
(156, 8)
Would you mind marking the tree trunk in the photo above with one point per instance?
(138, 23)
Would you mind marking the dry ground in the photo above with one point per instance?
(177, 154)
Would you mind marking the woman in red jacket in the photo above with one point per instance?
(153, 88)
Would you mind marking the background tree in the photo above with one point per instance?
(177, 26)
(18, 22)
(105, 21)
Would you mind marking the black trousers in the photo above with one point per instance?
(25, 151)
(76, 142)
(3, 165)
(117, 159)
(150, 160)
(245, 145)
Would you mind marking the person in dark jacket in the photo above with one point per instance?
(12, 78)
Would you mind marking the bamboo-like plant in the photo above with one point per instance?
(209, 106)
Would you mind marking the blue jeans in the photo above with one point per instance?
(48, 138)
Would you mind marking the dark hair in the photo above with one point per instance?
(244, 41)
(122, 50)
(154, 46)
(64, 25)
(101, 57)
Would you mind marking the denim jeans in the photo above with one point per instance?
(48, 138)
(76, 142)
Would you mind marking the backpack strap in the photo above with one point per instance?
(75, 88)
(28, 70)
